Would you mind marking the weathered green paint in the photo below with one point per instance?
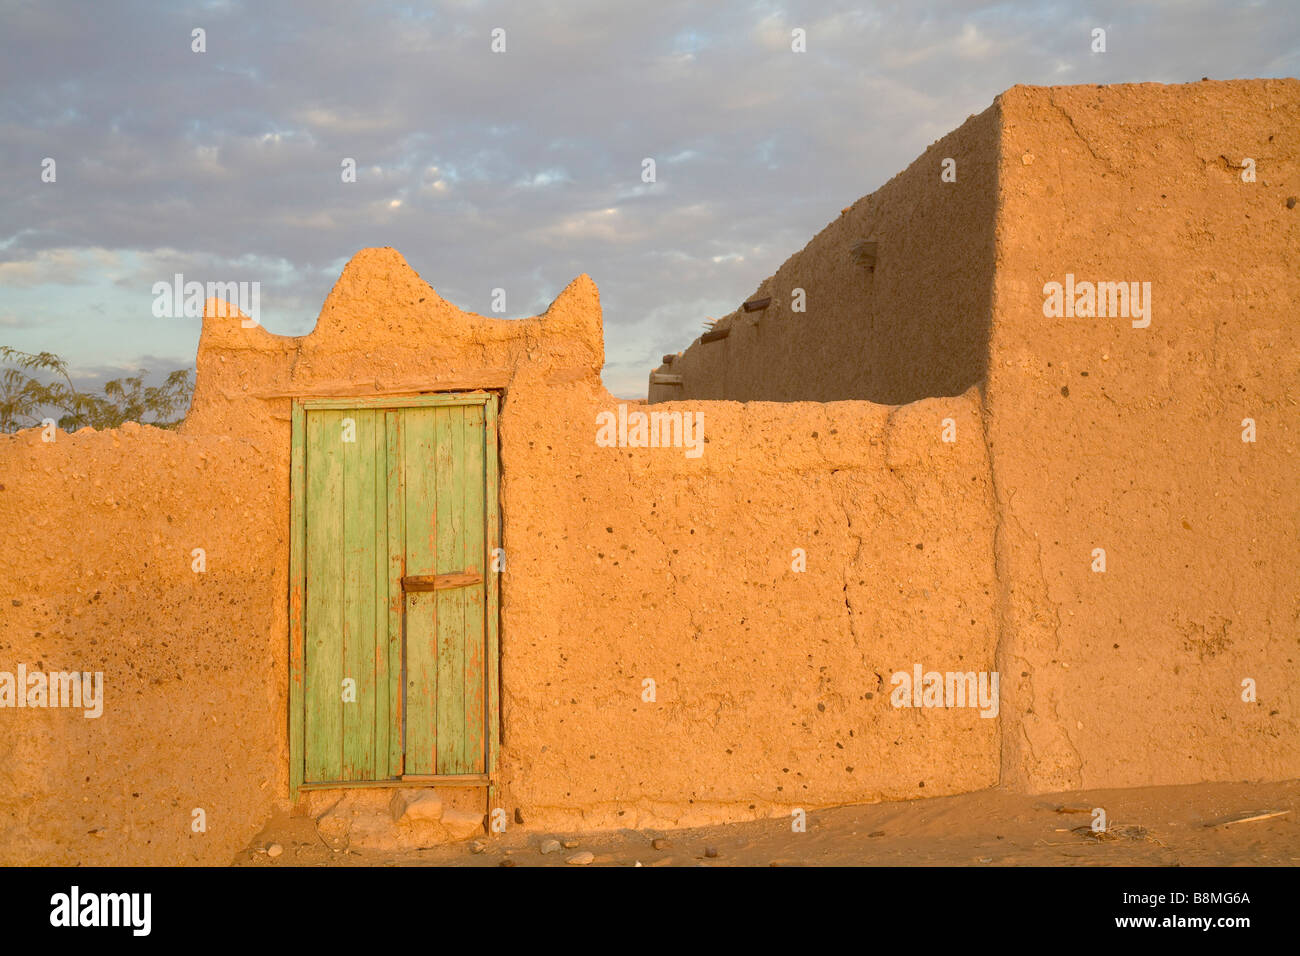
(360, 642)
(395, 529)
(415, 494)
(471, 758)
(421, 624)
(324, 606)
(450, 615)
(407, 401)
(380, 568)
(492, 572)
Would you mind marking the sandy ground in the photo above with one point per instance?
(1153, 826)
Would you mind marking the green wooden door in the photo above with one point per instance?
(393, 596)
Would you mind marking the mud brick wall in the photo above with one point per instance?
(1101, 435)
(96, 560)
(1130, 439)
(622, 564)
(772, 685)
(913, 326)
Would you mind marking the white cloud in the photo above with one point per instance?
(472, 164)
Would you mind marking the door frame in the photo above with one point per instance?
(298, 581)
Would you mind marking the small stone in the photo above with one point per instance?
(519, 816)
(660, 843)
(416, 806)
(570, 844)
(582, 859)
(478, 846)
(711, 852)
(1027, 159)
(876, 833)
(1290, 202)
(507, 862)
(550, 846)
(274, 850)
(462, 824)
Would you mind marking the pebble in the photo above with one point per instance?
(507, 862)
(711, 852)
(550, 846)
(570, 844)
(478, 846)
(660, 843)
(582, 859)
(274, 850)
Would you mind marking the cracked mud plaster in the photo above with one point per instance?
(1145, 458)
(1100, 435)
(742, 648)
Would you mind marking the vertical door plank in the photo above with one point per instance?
(451, 603)
(359, 595)
(472, 756)
(379, 714)
(395, 473)
(420, 438)
(324, 598)
(492, 581)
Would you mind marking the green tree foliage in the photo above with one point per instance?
(25, 399)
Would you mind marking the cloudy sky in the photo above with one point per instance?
(514, 170)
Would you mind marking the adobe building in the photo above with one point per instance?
(424, 551)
